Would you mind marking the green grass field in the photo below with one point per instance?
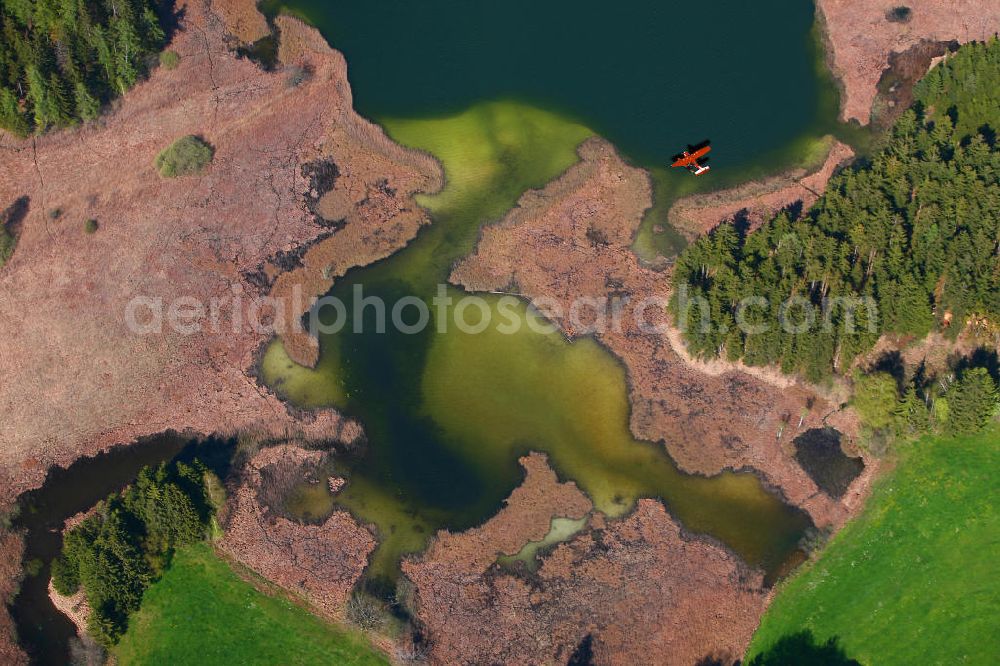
(201, 612)
(914, 580)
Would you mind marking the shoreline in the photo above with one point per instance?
(24, 265)
(556, 223)
(573, 581)
(78, 382)
(755, 201)
(493, 266)
(217, 392)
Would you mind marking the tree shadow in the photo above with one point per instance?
(989, 135)
(170, 16)
(584, 653)
(979, 358)
(952, 113)
(922, 378)
(891, 363)
(12, 217)
(742, 223)
(801, 648)
(794, 209)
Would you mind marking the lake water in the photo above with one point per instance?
(650, 76)
(503, 104)
(502, 93)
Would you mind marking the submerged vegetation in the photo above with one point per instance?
(915, 233)
(909, 581)
(448, 414)
(202, 612)
(115, 554)
(61, 59)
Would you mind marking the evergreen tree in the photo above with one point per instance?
(38, 94)
(11, 118)
(115, 554)
(87, 107)
(904, 244)
(61, 59)
(58, 109)
(972, 401)
(912, 417)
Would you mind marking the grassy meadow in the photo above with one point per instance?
(201, 612)
(914, 579)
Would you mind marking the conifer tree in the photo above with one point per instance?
(87, 107)
(904, 244)
(972, 401)
(61, 59)
(11, 118)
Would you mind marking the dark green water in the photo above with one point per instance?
(502, 94)
(447, 414)
(650, 76)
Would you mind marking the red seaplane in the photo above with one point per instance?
(689, 159)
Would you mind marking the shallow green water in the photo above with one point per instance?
(447, 414)
(560, 529)
(648, 75)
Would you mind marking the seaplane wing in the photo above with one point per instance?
(689, 160)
